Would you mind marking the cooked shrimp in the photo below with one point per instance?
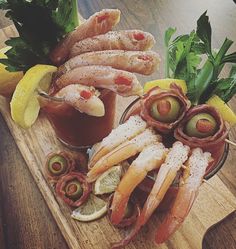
(122, 152)
(99, 23)
(83, 98)
(176, 157)
(149, 159)
(119, 81)
(131, 128)
(187, 193)
(143, 62)
(133, 40)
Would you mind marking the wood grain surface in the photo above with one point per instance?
(25, 221)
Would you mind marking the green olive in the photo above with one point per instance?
(166, 109)
(129, 210)
(201, 125)
(57, 165)
(74, 190)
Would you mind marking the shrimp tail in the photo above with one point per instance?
(188, 191)
(173, 219)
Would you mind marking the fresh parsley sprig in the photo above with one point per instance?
(183, 57)
(41, 24)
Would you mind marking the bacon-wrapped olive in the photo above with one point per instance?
(59, 164)
(164, 109)
(203, 127)
(73, 188)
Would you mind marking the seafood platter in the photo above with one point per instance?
(118, 178)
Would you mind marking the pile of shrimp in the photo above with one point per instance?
(134, 137)
(93, 56)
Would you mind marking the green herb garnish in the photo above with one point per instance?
(41, 24)
(183, 57)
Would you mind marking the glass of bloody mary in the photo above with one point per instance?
(219, 159)
(75, 129)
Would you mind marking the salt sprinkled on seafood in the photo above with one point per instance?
(199, 162)
(126, 131)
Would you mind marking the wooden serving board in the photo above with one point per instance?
(214, 202)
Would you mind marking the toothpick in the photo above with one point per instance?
(230, 142)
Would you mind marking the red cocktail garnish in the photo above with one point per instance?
(204, 126)
(86, 94)
(145, 58)
(139, 36)
(163, 107)
(121, 80)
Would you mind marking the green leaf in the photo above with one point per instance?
(230, 58)
(226, 89)
(193, 60)
(3, 4)
(168, 34)
(204, 31)
(41, 24)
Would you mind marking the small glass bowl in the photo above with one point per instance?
(135, 104)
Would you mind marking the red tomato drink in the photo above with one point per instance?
(77, 129)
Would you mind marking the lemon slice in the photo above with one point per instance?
(225, 111)
(8, 80)
(165, 84)
(24, 104)
(108, 181)
(92, 209)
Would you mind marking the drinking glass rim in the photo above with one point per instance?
(207, 176)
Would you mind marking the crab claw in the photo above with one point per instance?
(131, 128)
(122, 152)
(149, 159)
(187, 193)
(83, 98)
(176, 157)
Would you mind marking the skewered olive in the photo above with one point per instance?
(166, 109)
(201, 125)
(74, 190)
(129, 210)
(57, 165)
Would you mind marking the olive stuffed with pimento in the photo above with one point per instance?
(164, 109)
(58, 164)
(73, 189)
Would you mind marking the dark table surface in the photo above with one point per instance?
(25, 221)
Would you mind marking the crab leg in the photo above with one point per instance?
(132, 40)
(119, 81)
(188, 191)
(131, 128)
(178, 154)
(99, 23)
(149, 159)
(83, 98)
(143, 62)
(122, 152)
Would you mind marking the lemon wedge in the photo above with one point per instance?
(92, 209)
(225, 111)
(165, 84)
(8, 80)
(24, 104)
(108, 181)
